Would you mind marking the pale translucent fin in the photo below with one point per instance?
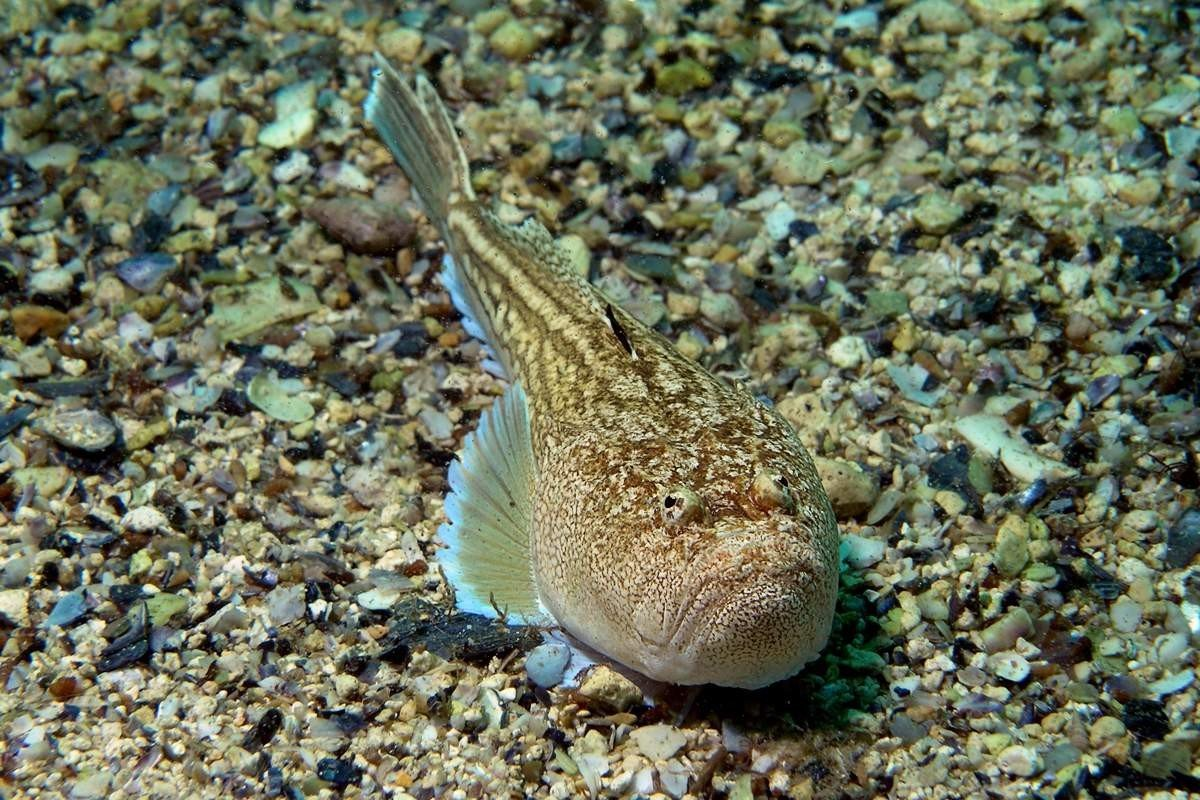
(473, 319)
(415, 126)
(489, 515)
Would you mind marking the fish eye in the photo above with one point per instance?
(772, 491)
(681, 506)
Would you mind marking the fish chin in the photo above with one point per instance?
(761, 630)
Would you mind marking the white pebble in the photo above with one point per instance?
(658, 742)
(1125, 614)
(1020, 761)
(1009, 665)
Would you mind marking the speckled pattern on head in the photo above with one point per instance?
(678, 525)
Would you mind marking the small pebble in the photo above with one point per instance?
(84, 429)
(609, 688)
(547, 663)
(658, 742)
(1020, 761)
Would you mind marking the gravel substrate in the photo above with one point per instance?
(956, 244)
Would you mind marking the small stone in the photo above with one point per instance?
(513, 40)
(887, 304)
(658, 742)
(339, 772)
(401, 44)
(285, 604)
(1019, 760)
(147, 272)
(364, 226)
(1105, 730)
(278, 398)
(936, 213)
(1006, 11)
(14, 607)
(607, 687)
(47, 481)
(848, 352)
(906, 728)
(1154, 258)
(721, 310)
(83, 429)
(1146, 719)
(1183, 539)
(942, 16)
(145, 519)
(29, 321)
(547, 663)
(1009, 665)
(779, 220)
(683, 76)
(1004, 632)
(1126, 615)
(851, 489)
(1163, 760)
(51, 281)
(163, 606)
(1012, 546)
(800, 164)
(91, 784)
(860, 552)
(295, 117)
(228, 618)
(70, 608)
(371, 487)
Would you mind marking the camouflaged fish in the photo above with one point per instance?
(661, 516)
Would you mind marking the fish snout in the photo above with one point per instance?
(753, 615)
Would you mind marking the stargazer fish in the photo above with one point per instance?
(663, 517)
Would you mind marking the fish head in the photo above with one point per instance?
(748, 596)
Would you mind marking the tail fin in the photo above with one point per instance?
(415, 126)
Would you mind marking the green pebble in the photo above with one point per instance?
(162, 606)
(683, 76)
(887, 304)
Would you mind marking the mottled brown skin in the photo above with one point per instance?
(679, 527)
(741, 596)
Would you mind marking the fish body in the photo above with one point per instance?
(663, 517)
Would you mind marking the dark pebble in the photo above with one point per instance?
(74, 387)
(13, 420)
(1154, 257)
(264, 730)
(1101, 389)
(338, 771)
(776, 76)
(652, 265)
(125, 594)
(1183, 539)
(150, 234)
(802, 229)
(347, 721)
(413, 341)
(19, 182)
(1146, 719)
(451, 635)
(949, 471)
(117, 657)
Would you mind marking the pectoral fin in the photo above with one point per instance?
(489, 515)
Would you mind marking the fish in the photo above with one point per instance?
(664, 518)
